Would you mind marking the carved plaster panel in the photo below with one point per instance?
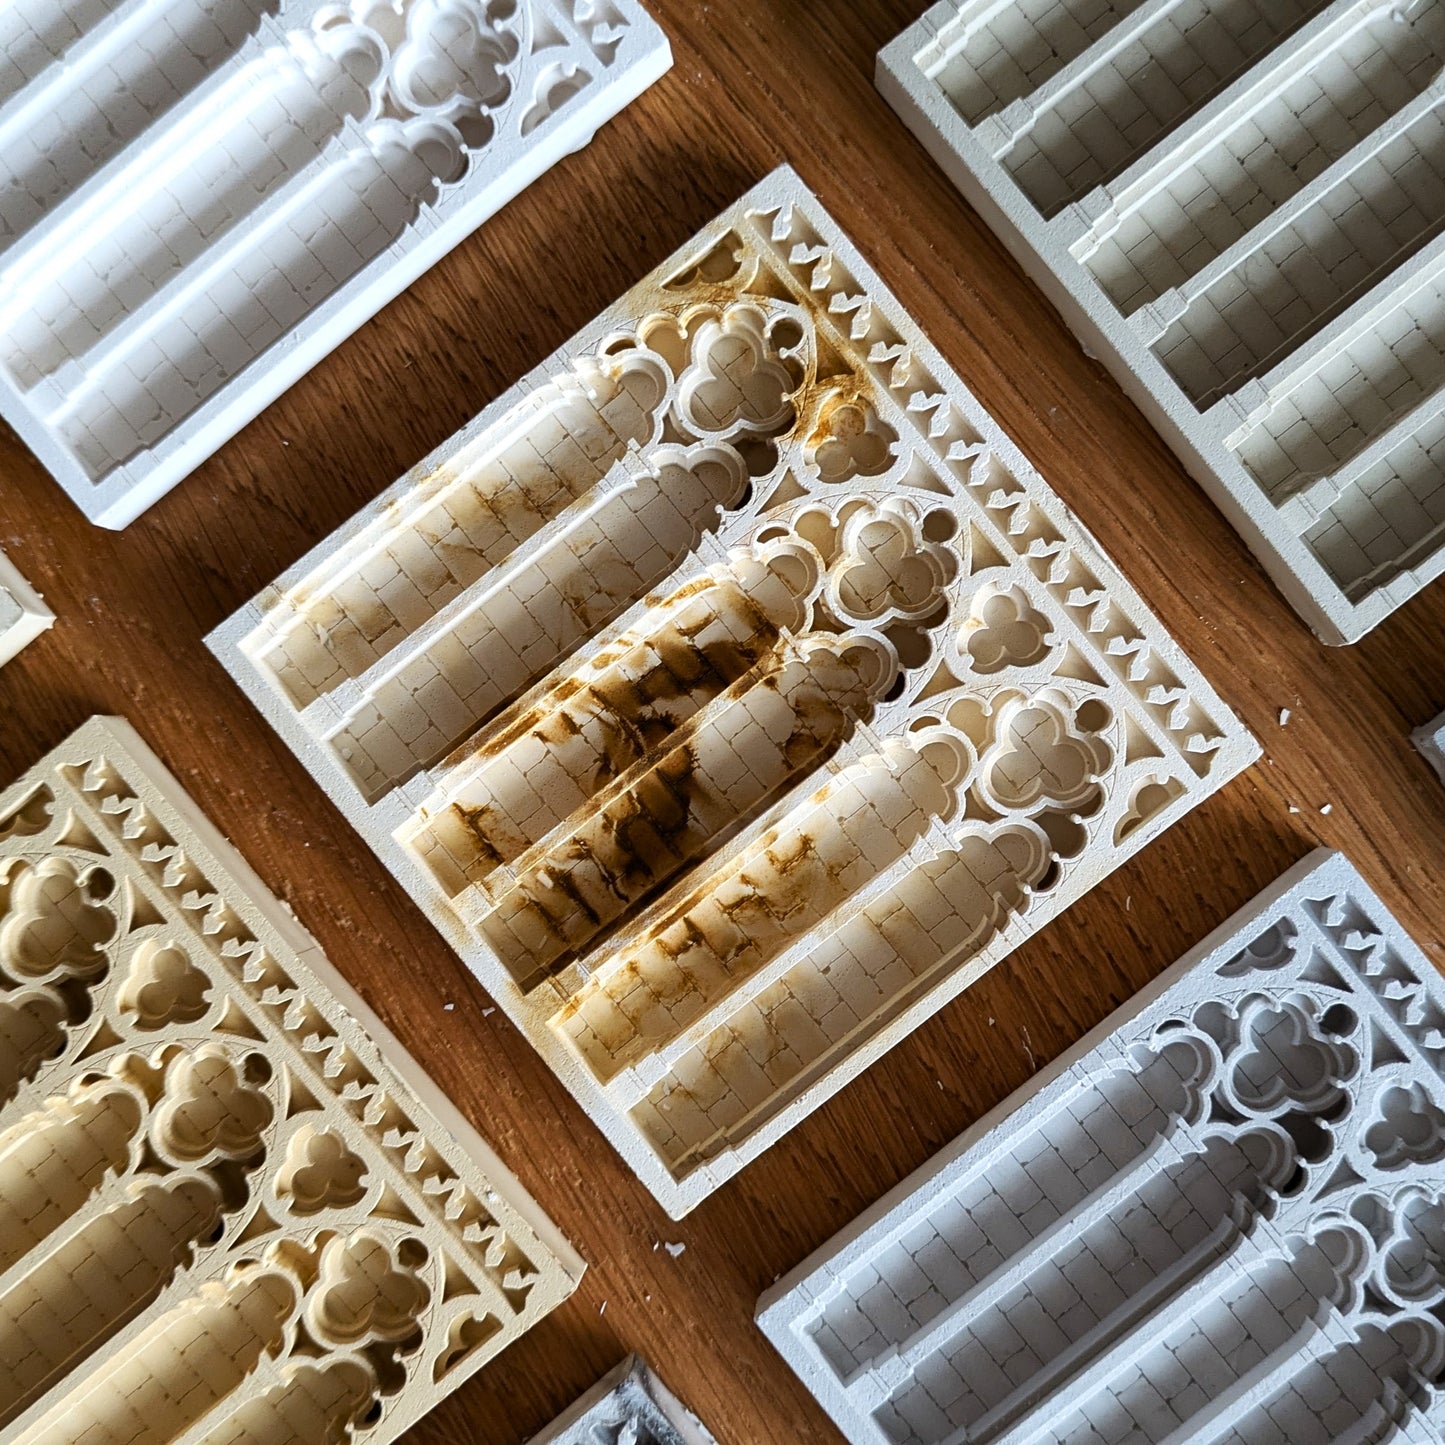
(732, 693)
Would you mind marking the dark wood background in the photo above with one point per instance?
(756, 82)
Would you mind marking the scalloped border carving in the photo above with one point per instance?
(732, 693)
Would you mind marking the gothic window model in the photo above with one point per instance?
(732, 693)
(199, 199)
(1219, 1220)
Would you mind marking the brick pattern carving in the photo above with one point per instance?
(1239, 208)
(226, 1215)
(1218, 1220)
(732, 693)
(200, 198)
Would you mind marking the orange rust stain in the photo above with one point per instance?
(828, 398)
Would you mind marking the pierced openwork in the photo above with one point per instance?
(189, 188)
(223, 1218)
(733, 693)
(1223, 1225)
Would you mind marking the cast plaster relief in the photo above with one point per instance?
(199, 199)
(23, 616)
(1240, 207)
(232, 1210)
(1219, 1220)
(1430, 740)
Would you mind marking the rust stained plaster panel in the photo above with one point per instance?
(732, 693)
(231, 1206)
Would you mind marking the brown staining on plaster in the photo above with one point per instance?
(497, 492)
(832, 395)
(728, 263)
(481, 825)
(830, 381)
(524, 713)
(638, 841)
(791, 883)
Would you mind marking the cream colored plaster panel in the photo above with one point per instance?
(232, 1210)
(23, 616)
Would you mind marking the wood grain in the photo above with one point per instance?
(756, 82)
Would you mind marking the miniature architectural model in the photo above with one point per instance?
(1220, 1219)
(1241, 209)
(200, 198)
(631, 1406)
(732, 693)
(226, 1215)
(23, 616)
(1430, 740)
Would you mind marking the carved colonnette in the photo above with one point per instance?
(732, 692)
(200, 198)
(1238, 209)
(231, 1207)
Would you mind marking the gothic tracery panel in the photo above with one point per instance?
(732, 692)
(200, 198)
(1220, 1219)
(221, 1208)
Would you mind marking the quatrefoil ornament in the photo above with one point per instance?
(457, 59)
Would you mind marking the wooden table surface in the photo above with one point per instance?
(756, 82)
